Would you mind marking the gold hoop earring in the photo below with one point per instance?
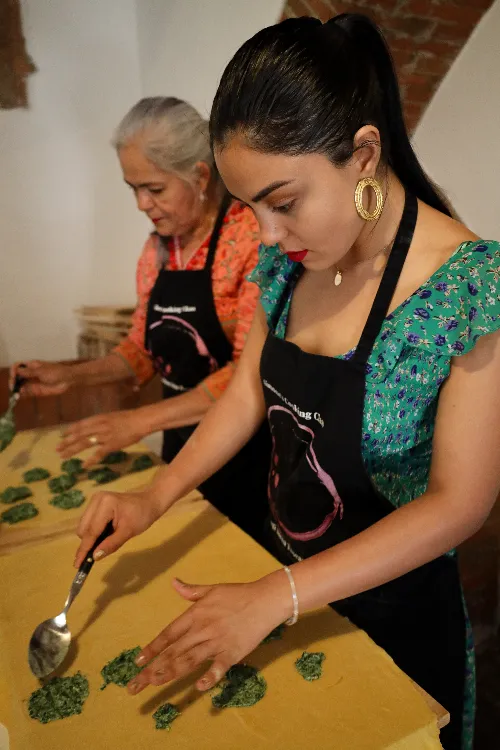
(358, 199)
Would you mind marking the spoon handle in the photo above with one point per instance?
(15, 393)
(86, 565)
(18, 384)
(19, 381)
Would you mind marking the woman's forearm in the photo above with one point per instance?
(179, 411)
(404, 540)
(103, 370)
(224, 430)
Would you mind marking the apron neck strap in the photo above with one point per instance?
(389, 281)
(214, 238)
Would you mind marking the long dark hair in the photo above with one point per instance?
(305, 87)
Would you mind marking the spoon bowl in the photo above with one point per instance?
(49, 645)
(51, 640)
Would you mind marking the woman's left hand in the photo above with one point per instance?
(225, 624)
(106, 432)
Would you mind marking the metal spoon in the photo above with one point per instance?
(51, 639)
(7, 423)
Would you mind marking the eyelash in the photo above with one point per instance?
(156, 191)
(285, 209)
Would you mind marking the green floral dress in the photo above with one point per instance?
(410, 360)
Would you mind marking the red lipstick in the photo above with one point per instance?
(298, 257)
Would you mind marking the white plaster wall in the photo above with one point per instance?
(68, 235)
(458, 139)
(184, 45)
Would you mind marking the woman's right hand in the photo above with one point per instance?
(130, 512)
(42, 378)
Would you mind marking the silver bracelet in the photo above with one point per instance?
(295, 599)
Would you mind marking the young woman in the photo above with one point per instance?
(375, 356)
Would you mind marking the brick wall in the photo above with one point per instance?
(15, 63)
(425, 37)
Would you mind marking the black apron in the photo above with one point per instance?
(320, 495)
(186, 342)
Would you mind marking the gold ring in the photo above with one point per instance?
(93, 440)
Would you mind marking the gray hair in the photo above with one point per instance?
(173, 134)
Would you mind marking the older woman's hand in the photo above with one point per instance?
(107, 432)
(42, 378)
(226, 623)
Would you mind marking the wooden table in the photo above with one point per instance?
(362, 701)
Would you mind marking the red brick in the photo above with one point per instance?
(392, 37)
(484, 4)
(347, 6)
(452, 32)
(413, 108)
(469, 11)
(336, 7)
(463, 15)
(446, 50)
(15, 63)
(432, 64)
(416, 8)
(417, 29)
(413, 111)
(403, 57)
(320, 9)
(413, 79)
(378, 12)
(298, 8)
(419, 93)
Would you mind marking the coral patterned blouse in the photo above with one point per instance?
(235, 298)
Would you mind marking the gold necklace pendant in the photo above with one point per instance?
(338, 277)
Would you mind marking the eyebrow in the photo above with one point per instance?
(143, 184)
(269, 189)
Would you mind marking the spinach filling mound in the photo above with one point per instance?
(103, 475)
(35, 475)
(62, 483)
(68, 500)
(141, 463)
(242, 686)
(59, 698)
(73, 466)
(309, 665)
(21, 512)
(115, 457)
(165, 715)
(122, 668)
(12, 494)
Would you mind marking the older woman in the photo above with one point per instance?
(194, 304)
